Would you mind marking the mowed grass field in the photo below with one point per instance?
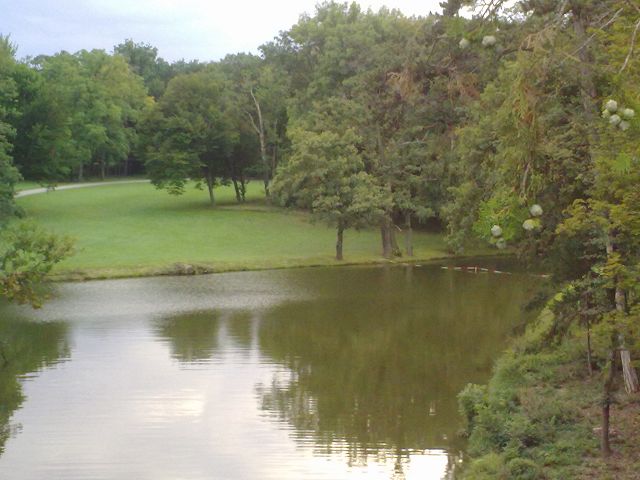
(134, 229)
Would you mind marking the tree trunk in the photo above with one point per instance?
(605, 444)
(587, 85)
(585, 305)
(385, 233)
(81, 172)
(102, 169)
(210, 188)
(390, 246)
(259, 127)
(408, 235)
(243, 187)
(628, 372)
(620, 297)
(589, 359)
(620, 300)
(237, 189)
(395, 248)
(339, 242)
(274, 153)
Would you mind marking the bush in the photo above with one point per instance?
(488, 467)
(523, 469)
(471, 400)
(27, 255)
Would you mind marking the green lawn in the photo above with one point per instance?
(129, 230)
(26, 185)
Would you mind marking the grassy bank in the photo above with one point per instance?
(539, 416)
(134, 230)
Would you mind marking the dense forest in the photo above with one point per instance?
(514, 126)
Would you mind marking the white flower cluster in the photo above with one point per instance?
(487, 41)
(618, 117)
(533, 223)
(496, 232)
(529, 225)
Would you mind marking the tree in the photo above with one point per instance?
(189, 133)
(609, 220)
(260, 93)
(79, 112)
(116, 98)
(27, 253)
(9, 175)
(411, 83)
(144, 61)
(535, 138)
(326, 174)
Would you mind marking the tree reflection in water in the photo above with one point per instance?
(193, 337)
(25, 347)
(375, 372)
(373, 362)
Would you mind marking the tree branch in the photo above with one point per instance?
(253, 122)
(609, 22)
(592, 36)
(631, 47)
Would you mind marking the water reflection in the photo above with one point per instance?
(25, 348)
(376, 367)
(193, 337)
(316, 373)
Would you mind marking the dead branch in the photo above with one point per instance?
(631, 47)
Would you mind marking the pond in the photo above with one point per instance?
(319, 373)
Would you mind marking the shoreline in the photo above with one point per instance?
(190, 269)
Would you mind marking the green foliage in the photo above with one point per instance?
(526, 422)
(144, 61)
(27, 255)
(78, 112)
(523, 469)
(471, 400)
(326, 174)
(503, 209)
(189, 133)
(487, 467)
(258, 93)
(9, 175)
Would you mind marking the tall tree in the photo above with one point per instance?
(27, 253)
(189, 134)
(260, 93)
(326, 173)
(9, 175)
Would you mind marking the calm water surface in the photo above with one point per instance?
(294, 374)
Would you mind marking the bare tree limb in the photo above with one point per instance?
(631, 47)
(593, 35)
(253, 122)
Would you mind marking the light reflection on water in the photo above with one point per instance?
(314, 373)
